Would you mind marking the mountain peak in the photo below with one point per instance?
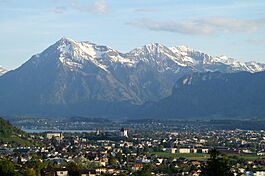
(149, 49)
(152, 46)
(65, 43)
(184, 48)
(78, 54)
(75, 54)
(66, 39)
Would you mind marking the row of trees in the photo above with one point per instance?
(217, 165)
(32, 168)
(35, 168)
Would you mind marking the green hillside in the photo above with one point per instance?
(12, 135)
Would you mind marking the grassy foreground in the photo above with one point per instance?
(13, 135)
(203, 156)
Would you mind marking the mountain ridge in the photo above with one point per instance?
(214, 94)
(181, 55)
(81, 78)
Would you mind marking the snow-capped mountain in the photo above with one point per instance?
(203, 62)
(74, 54)
(2, 70)
(82, 78)
(157, 56)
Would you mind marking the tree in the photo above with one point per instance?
(73, 169)
(36, 164)
(146, 171)
(7, 168)
(30, 172)
(84, 163)
(112, 161)
(217, 165)
(119, 156)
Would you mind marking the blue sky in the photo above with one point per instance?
(235, 28)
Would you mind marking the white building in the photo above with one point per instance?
(259, 173)
(184, 150)
(97, 132)
(173, 150)
(56, 135)
(62, 173)
(124, 132)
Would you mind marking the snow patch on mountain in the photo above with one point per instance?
(198, 59)
(157, 55)
(77, 55)
(2, 70)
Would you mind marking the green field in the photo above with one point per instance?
(190, 156)
(247, 157)
(202, 156)
(13, 135)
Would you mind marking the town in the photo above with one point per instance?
(135, 150)
(132, 88)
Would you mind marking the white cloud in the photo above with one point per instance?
(101, 6)
(234, 25)
(201, 26)
(98, 6)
